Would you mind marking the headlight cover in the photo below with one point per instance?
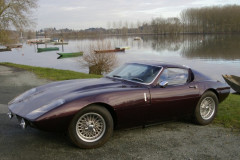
(23, 96)
(40, 111)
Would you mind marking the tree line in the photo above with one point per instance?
(205, 20)
(214, 19)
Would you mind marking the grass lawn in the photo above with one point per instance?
(228, 111)
(52, 74)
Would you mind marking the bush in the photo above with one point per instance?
(100, 63)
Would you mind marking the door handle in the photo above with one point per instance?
(195, 87)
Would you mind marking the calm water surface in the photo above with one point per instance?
(211, 54)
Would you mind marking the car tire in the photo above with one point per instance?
(91, 127)
(206, 109)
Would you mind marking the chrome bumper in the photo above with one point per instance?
(22, 121)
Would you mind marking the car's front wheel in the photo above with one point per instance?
(91, 127)
(206, 108)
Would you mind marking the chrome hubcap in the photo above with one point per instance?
(90, 127)
(207, 108)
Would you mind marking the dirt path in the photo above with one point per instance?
(174, 140)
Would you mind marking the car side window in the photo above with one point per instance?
(174, 76)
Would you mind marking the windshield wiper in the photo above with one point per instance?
(117, 76)
(137, 79)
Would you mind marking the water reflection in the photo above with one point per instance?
(225, 47)
(160, 43)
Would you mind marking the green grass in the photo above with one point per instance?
(229, 112)
(52, 74)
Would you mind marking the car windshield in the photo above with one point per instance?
(136, 72)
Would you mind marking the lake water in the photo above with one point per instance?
(210, 54)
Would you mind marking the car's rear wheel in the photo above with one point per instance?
(206, 108)
(91, 127)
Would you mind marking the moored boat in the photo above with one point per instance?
(111, 50)
(60, 43)
(233, 81)
(40, 40)
(137, 38)
(5, 49)
(14, 46)
(67, 55)
(48, 49)
(122, 47)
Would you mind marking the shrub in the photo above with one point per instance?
(99, 63)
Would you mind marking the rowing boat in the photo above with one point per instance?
(66, 55)
(60, 43)
(233, 82)
(14, 46)
(111, 50)
(47, 49)
(122, 47)
(5, 49)
(137, 38)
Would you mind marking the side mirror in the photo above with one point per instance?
(163, 84)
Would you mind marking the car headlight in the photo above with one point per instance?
(23, 96)
(40, 111)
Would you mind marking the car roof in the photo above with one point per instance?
(160, 64)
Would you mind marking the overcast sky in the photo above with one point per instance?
(82, 14)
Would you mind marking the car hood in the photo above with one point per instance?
(65, 90)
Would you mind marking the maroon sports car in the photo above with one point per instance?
(134, 94)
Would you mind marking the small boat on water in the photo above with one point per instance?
(14, 46)
(47, 49)
(40, 40)
(233, 82)
(5, 49)
(60, 43)
(111, 50)
(137, 38)
(122, 47)
(67, 55)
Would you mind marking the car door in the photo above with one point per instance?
(178, 98)
(131, 107)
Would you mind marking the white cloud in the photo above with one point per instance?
(72, 8)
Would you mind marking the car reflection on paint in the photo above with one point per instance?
(137, 93)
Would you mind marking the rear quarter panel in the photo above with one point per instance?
(219, 88)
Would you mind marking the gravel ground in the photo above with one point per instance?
(173, 140)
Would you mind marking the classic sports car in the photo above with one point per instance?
(136, 93)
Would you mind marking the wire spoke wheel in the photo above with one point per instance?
(90, 127)
(207, 108)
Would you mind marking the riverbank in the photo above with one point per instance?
(52, 74)
(228, 111)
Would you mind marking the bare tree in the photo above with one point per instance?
(215, 19)
(99, 63)
(15, 14)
